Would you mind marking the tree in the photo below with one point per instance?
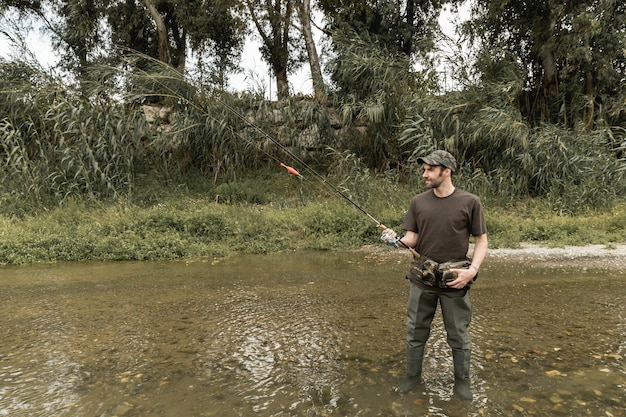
(164, 29)
(87, 32)
(162, 37)
(74, 26)
(375, 45)
(572, 54)
(273, 20)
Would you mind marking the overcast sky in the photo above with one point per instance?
(301, 80)
(254, 75)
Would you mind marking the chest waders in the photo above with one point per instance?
(456, 312)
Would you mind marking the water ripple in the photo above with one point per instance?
(275, 344)
(40, 382)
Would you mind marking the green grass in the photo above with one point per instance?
(528, 223)
(268, 215)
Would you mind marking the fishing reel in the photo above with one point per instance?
(390, 237)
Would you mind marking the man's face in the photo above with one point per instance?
(433, 175)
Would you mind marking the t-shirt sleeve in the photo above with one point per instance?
(410, 223)
(479, 227)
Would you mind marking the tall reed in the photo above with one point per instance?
(56, 144)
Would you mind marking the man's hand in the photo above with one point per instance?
(463, 277)
(390, 237)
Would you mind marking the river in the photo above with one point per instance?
(300, 334)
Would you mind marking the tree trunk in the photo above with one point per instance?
(589, 85)
(282, 83)
(314, 61)
(161, 31)
(548, 64)
(549, 80)
(407, 44)
(276, 40)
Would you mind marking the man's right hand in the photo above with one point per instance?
(390, 237)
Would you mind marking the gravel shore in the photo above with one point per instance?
(590, 256)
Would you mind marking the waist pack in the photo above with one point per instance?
(435, 274)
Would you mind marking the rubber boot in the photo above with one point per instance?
(414, 359)
(461, 360)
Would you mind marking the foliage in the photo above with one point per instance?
(89, 33)
(405, 28)
(503, 157)
(212, 29)
(572, 55)
(374, 91)
(55, 145)
(188, 222)
(574, 170)
(227, 136)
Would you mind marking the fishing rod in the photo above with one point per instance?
(393, 240)
(387, 237)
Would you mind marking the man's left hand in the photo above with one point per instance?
(464, 276)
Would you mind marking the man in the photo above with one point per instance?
(438, 226)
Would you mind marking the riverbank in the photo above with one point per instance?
(182, 227)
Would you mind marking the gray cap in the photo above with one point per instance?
(439, 157)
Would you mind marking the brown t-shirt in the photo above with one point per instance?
(444, 225)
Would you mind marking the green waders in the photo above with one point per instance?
(456, 311)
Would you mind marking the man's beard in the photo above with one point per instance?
(435, 183)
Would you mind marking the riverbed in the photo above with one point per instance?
(301, 334)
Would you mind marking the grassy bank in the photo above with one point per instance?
(254, 217)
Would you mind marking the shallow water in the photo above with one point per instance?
(304, 334)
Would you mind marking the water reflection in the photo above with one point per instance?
(308, 334)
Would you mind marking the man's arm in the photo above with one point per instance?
(466, 275)
(409, 239)
(480, 251)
